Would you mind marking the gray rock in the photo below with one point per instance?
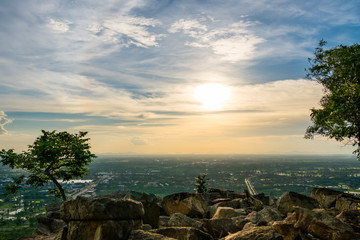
(181, 220)
(325, 197)
(352, 218)
(259, 233)
(345, 202)
(221, 227)
(321, 225)
(47, 226)
(189, 204)
(183, 233)
(289, 200)
(269, 214)
(143, 235)
(226, 212)
(101, 230)
(150, 202)
(101, 208)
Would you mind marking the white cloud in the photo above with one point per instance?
(134, 28)
(59, 26)
(234, 43)
(3, 121)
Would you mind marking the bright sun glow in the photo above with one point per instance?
(213, 96)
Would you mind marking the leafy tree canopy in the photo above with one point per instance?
(53, 156)
(338, 70)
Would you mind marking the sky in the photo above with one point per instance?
(168, 77)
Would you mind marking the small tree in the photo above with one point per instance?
(53, 156)
(200, 183)
(338, 70)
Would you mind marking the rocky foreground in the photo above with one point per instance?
(219, 214)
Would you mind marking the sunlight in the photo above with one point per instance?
(213, 96)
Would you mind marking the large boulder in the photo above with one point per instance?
(289, 200)
(150, 202)
(181, 220)
(345, 202)
(144, 235)
(325, 197)
(101, 218)
(322, 225)
(48, 226)
(352, 218)
(269, 214)
(227, 212)
(221, 227)
(288, 231)
(258, 233)
(189, 204)
(183, 233)
(227, 193)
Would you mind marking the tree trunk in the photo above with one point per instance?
(58, 185)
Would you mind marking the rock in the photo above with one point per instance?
(249, 225)
(289, 232)
(53, 210)
(346, 202)
(150, 202)
(189, 204)
(183, 233)
(226, 212)
(163, 221)
(143, 235)
(218, 200)
(101, 230)
(269, 214)
(240, 222)
(352, 218)
(47, 226)
(101, 208)
(255, 218)
(181, 220)
(264, 199)
(101, 218)
(325, 197)
(146, 227)
(221, 227)
(227, 193)
(322, 225)
(258, 233)
(289, 200)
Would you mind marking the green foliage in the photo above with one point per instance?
(200, 183)
(53, 156)
(338, 70)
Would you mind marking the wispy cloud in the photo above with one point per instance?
(234, 43)
(3, 122)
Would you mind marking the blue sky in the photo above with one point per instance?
(133, 73)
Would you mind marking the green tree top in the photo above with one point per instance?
(338, 70)
(53, 156)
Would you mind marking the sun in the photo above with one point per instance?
(212, 96)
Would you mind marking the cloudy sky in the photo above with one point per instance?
(161, 76)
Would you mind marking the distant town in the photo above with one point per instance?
(162, 175)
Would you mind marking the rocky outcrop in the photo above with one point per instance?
(183, 233)
(220, 214)
(289, 200)
(101, 218)
(150, 202)
(260, 233)
(321, 225)
(189, 204)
